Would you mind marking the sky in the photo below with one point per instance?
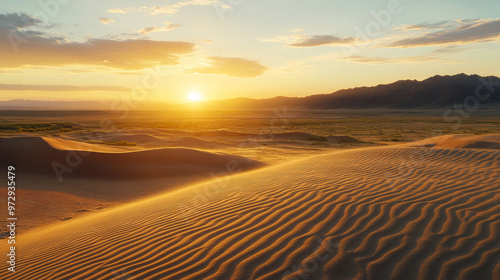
(170, 51)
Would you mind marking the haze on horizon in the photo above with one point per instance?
(217, 49)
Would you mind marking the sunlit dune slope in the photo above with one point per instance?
(211, 139)
(462, 141)
(380, 213)
(70, 144)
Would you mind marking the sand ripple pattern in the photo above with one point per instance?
(379, 213)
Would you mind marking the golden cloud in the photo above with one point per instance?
(232, 66)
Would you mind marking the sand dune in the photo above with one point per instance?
(61, 143)
(152, 138)
(142, 137)
(210, 133)
(92, 175)
(216, 139)
(37, 155)
(462, 142)
(194, 142)
(40, 207)
(290, 135)
(395, 212)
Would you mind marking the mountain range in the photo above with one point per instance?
(434, 92)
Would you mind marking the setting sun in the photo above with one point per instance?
(195, 96)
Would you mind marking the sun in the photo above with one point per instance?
(194, 96)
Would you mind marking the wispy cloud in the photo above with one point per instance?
(168, 26)
(450, 49)
(321, 40)
(232, 66)
(426, 25)
(462, 31)
(385, 60)
(425, 58)
(172, 8)
(20, 87)
(303, 41)
(106, 20)
(118, 11)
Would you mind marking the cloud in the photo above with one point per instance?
(425, 26)
(394, 60)
(106, 20)
(449, 49)
(14, 21)
(321, 40)
(232, 66)
(126, 54)
(35, 48)
(18, 87)
(168, 26)
(163, 10)
(118, 11)
(172, 8)
(299, 40)
(463, 32)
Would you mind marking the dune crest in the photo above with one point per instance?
(396, 212)
(462, 142)
(114, 163)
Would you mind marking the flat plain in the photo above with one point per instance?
(254, 194)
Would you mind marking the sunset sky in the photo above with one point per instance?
(100, 50)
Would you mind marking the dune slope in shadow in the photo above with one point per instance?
(36, 155)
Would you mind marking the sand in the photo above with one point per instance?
(98, 176)
(462, 142)
(38, 154)
(412, 211)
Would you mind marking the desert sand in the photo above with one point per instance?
(94, 176)
(424, 210)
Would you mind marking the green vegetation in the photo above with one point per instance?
(36, 127)
(366, 126)
(318, 139)
(320, 144)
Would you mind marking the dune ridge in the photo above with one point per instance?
(462, 142)
(394, 212)
(37, 154)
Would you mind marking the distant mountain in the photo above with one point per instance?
(434, 92)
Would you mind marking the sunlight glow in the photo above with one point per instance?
(194, 97)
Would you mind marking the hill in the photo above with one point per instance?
(434, 92)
